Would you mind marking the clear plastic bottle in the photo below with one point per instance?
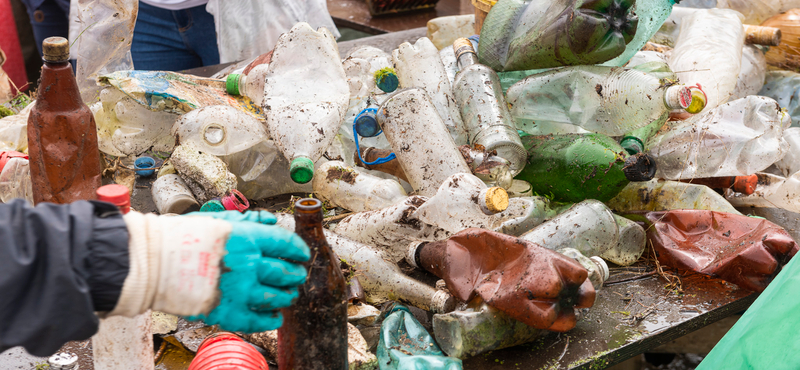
(753, 73)
(250, 85)
(738, 138)
(659, 195)
(448, 56)
(651, 14)
(305, 97)
(380, 76)
(171, 195)
(522, 215)
(420, 139)
(419, 65)
(483, 108)
(463, 201)
(773, 191)
(607, 100)
(708, 52)
(379, 274)
(670, 30)
(631, 244)
(790, 163)
(15, 177)
(355, 190)
(784, 87)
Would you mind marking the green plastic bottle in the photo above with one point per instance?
(634, 142)
(575, 167)
(652, 14)
(405, 345)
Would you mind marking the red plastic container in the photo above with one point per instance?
(117, 195)
(5, 156)
(226, 351)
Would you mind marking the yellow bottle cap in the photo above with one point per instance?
(496, 199)
(698, 100)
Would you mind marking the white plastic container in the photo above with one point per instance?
(361, 67)
(420, 140)
(522, 215)
(15, 181)
(419, 65)
(171, 195)
(790, 163)
(738, 138)
(709, 52)
(463, 201)
(305, 97)
(355, 190)
(442, 31)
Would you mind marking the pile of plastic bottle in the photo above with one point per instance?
(552, 147)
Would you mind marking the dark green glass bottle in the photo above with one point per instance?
(575, 167)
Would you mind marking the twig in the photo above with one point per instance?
(563, 352)
(644, 276)
(336, 218)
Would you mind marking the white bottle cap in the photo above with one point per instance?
(602, 267)
(443, 302)
(411, 253)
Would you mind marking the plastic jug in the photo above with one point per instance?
(607, 100)
(790, 163)
(659, 195)
(427, 153)
(708, 53)
(738, 138)
(15, 177)
(405, 344)
(419, 65)
(305, 97)
(483, 108)
(574, 167)
(355, 190)
(773, 192)
(370, 71)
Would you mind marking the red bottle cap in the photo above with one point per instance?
(235, 201)
(5, 156)
(117, 195)
(226, 351)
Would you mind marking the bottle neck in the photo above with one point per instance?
(431, 257)
(308, 224)
(58, 87)
(466, 59)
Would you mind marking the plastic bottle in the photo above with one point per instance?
(498, 267)
(483, 108)
(305, 97)
(634, 142)
(373, 156)
(15, 177)
(448, 57)
(668, 34)
(784, 87)
(631, 244)
(366, 122)
(522, 215)
(742, 250)
(574, 167)
(651, 14)
(427, 154)
(462, 201)
(740, 184)
(314, 330)
(752, 74)
(64, 158)
(607, 100)
(355, 190)
(790, 163)
(519, 188)
(405, 344)
(738, 138)
(171, 195)
(419, 65)
(708, 52)
(371, 71)
(773, 191)
(250, 85)
(659, 195)
(116, 194)
(225, 350)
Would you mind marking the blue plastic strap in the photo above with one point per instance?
(377, 161)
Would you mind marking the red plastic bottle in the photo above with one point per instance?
(226, 351)
(62, 137)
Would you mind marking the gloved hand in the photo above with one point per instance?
(175, 268)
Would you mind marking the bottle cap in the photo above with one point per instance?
(55, 49)
(443, 302)
(367, 123)
(462, 45)
(301, 170)
(386, 79)
(117, 195)
(678, 97)
(495, 200)
(144, 162)
(213, 205)
(235, 201)
(745, 184)
(602, 267)
(632, 145)
(640, 167)
(411, 253)
(762, 35)
(699, 99)
(232, 84)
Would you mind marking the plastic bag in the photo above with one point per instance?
(406, 345)
(14, 131)
(247, 28)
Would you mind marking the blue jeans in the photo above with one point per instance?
(48, 18)
(167, 40)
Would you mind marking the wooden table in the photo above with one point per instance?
(355, 14)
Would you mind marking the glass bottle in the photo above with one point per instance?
(62, 136)
(483, 108)
(574, 167)
(314, 330)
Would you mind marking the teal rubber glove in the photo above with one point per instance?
(256, 281)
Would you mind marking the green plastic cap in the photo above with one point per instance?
(632, 145)
(386, 79)
(301, 170)
(232, 84)
(212, 206)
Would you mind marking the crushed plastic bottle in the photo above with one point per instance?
(534, 285)
(370, 71)
(405, 344)
(462, 201)
(738, 138)
(419, 65)
(660, 195)
(412, 126)
(483, 108)
(752, 74)
(606, 100)
(523, 214)
(305, 113)
(651, 15)
(773, 191)
(574, 167)
(742, 250)
(250, 84)
(520, 35)
(15, 177)
(355, 190)
(708, 53)
(790, 163)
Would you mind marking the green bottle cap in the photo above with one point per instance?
(232, 84)
(640, 167)
(212, 206)
(302, 170)
(632, 145)
(386, 79)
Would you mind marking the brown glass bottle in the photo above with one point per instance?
(314, 331)
(62, 137)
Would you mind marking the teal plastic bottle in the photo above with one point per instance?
(652, 14)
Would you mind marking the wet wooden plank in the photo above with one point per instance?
(355, 14)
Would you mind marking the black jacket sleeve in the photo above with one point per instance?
(58, 265)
